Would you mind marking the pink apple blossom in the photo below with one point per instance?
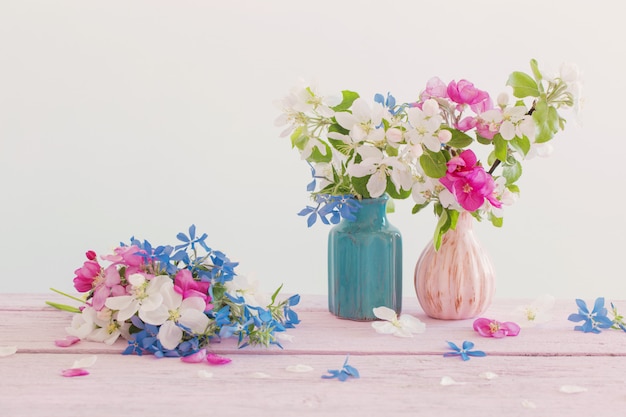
(187, 286)
(493, 328)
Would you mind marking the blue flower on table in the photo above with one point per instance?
(465, 352)
(593, 321)
(344, 373)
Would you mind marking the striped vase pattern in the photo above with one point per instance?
(457, 281)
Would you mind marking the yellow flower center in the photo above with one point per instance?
(494, 327)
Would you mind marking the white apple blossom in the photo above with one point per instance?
(379, 166)
(144, 296)
(364, 122)
(249, 289)
(189, 312)
(425, 124)
(403, 326)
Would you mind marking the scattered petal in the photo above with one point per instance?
(7, 350)
(446, 381)
(205, 374)
(404, 326)
(572, 389)
(299, 368)
(197, 357)
(282, 336)
(528, 404)
(344, 373)
(74, 372)
(214, 359)
(493, 328)
(260, 375)
(68, 341)
(488, 375)
(85, 362)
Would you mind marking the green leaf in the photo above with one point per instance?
(547, 120)
(398, 195)
(513, 188)
(441, 229)
(276, 293)
(459, 139)
(63, 307)
(348, 99)
(501, 147)
(523, 85)
(521, 145)
(316, 155)
(418, 207)
(512, 171)
(360, 185)
(496, 221)
(535, 69)
(433, 164)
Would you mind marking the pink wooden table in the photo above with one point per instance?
(398, 376)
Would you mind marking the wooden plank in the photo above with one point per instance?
(34, 330)
(30, 385)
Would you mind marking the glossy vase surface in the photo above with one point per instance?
(364, 263)
(458, 280)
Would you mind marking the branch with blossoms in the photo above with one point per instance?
(173, 300)
(425, 149)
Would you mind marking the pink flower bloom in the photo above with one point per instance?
(464, 92)
(197, 357)
(214, 359)
(74, 372)
(434, 88)
(108, 285)
(68, 341)
(127, 255)
(85, 275)
(493, 328)
(187, 286)
(469, 183)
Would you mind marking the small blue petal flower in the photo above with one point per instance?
(465, 352)
(593, 321)
(344, 373)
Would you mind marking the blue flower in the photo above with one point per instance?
(464, 352)
(343, 373)
(331, 209)
(389, 102)
(594, 321)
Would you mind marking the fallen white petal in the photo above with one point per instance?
(488, 375)
(205, 374)
(385, 313)
(7, 350)
(572, 389)
(299, 368)
(528, 404)
(85, 362)
(260, 375)
(284, 336)
(446, 380)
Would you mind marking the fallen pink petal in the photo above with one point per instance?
(67, 342)
(493, 328)
(197, 357)
(214, 359)
(72, 372)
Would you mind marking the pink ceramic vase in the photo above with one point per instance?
(457, 281)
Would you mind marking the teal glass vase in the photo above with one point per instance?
(365, 263)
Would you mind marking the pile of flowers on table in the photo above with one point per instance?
(172, 301)
(429, 148)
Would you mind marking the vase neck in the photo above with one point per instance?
(465, 221)
(373, 210)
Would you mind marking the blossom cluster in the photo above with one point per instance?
(425, 148)
(596, 319)
(173, 300)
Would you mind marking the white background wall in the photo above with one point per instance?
(121, 118)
